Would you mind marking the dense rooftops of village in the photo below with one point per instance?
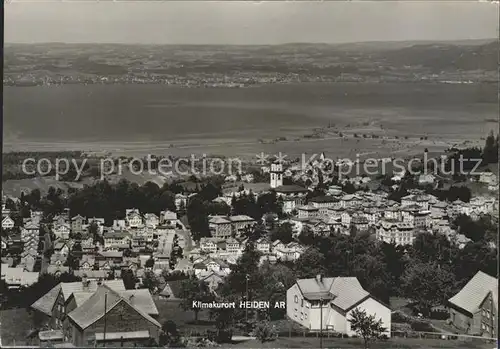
(141, 243)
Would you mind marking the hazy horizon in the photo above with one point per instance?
(479, 41)
(247, 23)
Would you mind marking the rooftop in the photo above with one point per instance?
(93, 309)
(475, 291)
(343, 292)
(292, 188)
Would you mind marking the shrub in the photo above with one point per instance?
(265, 332)
(421, 326)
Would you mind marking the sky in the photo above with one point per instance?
(247, 23)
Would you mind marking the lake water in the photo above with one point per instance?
(163, 114)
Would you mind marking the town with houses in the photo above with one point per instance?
(146, 243)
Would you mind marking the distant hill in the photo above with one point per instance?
(26, 65)
(446, 56)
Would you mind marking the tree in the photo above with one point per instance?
(246, 270)
(310, 264)
(129, 279)
(209, 192)
(349, 188)
(366, 326)
(306, 236)
(149, 263)
(283, 233)
(150, 281)
(265, 332)
(170, 335)
(371, 272)
(94, 232)
(483, 228)
(192, 290)
(198, 218)
(490, 150)
(72, 262)
(428, 285)
(224, 319)
(277, 279)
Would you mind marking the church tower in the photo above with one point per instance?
(276, 175)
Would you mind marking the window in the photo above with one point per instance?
(296, 298)
(483, 326)
(488, 314)
(484, 312)
(307, 305)
(305, 315)
(302, 302)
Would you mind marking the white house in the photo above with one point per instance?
(151, 220)
(308, 212)
(208, 245)
(133, 218)
(335, 298)
(425, 179)
(263, 245)
(167, 217)
(289, 252)
(7, 223)
(488, 178)
(61, 231)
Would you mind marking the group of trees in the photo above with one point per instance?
(483, 228)
(110, 201)
(200, 206)
(466, 159)
(408, 182)
(433, 263)
(30, 294)
(490, 150)
(175, 253)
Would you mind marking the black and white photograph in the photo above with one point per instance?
(250, 174)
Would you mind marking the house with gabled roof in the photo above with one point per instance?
(77, 223)
(263, 245)
(335, 298)
(87, 262)
(57, 269)
(172, 290)
(61, 231)
(475, 308)
(108, 317)
(52, 304)
(208, 245)
(18, 277)
(168, 217)
(7, 223)
(151, 220)
(213, 279)
(61, 247)
(133, 218)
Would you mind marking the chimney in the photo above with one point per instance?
(319, 278)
